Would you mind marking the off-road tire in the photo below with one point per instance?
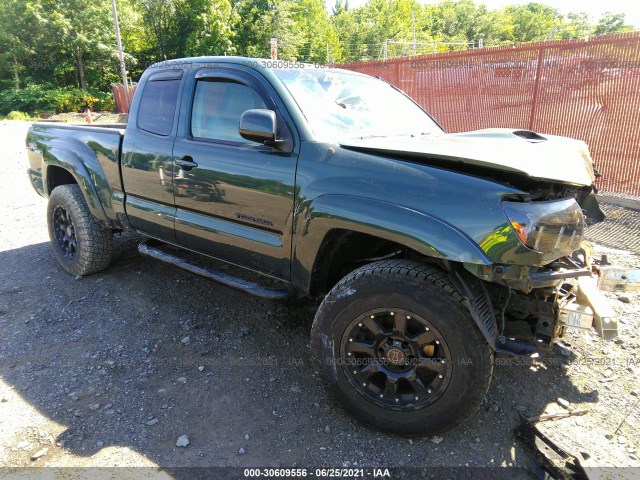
(413, 288)
(89, 248)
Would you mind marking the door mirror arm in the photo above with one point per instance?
(284, 146)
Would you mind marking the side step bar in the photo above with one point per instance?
(213, 274)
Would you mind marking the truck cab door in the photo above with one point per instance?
(234, 198)
(147, 167)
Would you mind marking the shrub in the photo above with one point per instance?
(40, 98)
(15, 115)
(99, 101)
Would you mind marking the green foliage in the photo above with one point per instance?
(98, 101)
(533, 22)
(260, 21)
(14, 115)
(38, 99)
(52, 50)
(612, 23)
(212, 31)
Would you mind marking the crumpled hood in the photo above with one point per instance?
(543, 157)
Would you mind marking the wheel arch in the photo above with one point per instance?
(324, 224)
(63, 167)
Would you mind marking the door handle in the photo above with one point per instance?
(186, 163)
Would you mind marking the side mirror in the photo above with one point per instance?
(258, 125)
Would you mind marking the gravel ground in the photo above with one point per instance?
(111, 369)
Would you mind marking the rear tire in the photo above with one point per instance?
(79, 242)
(399, 348)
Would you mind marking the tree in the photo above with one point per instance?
(577, 26)
(211, 28)
(161, 19)
(260, 21)
(612, 23)
(22, 26)
(460, 20)
(318, 41)
(82, 34)
(533, 22)
(61, 43)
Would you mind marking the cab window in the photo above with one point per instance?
(217, 108)
(158, 106)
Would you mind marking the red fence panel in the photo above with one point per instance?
(120, 97)
(588, 90)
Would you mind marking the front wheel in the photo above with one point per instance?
(398, 346)
(79, 242)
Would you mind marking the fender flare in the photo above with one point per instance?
(423, 233)
(68, 160)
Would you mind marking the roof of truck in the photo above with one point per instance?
(251, 62)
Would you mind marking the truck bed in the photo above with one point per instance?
(92, 151)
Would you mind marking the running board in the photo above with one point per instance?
(216, 275)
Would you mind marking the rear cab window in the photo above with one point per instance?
(159, 101)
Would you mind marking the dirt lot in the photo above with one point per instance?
(111, 369)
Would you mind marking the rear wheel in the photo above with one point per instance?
(79, 242)
(397, 344)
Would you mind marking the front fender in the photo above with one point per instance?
(423, 233)
(69, 161)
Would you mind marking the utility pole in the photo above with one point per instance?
(274, 48)
(123, 69)
(413, 24)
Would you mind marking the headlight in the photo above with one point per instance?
(553, 228)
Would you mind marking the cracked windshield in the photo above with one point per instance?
(341, 106)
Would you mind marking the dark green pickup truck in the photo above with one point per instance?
(433, 251)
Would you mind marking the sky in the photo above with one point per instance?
(595, 8)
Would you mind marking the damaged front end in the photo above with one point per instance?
(531, 303)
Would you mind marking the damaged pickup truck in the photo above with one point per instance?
(432, 251)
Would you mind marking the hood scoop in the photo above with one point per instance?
(529, 135)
